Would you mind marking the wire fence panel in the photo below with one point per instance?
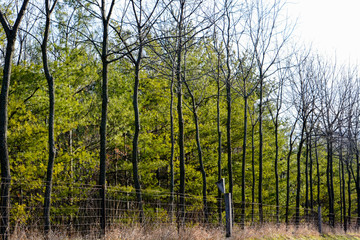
(76, 209)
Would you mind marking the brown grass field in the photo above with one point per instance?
(170, 232)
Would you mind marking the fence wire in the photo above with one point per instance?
(76, 209)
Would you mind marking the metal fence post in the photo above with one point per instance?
(319, 220)
(228, 213)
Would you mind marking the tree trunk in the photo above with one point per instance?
(341, 192)
(349, 193)
(228, 135)
(4, 155)
(51, 143)
(329, 181)
(298, 178)
(318, 173)
(11, 33)
(219, 142)
(180, 114)
(253, 172)
(202, 169)
(276, 167)
(311, 175)
(104, 98)
(261, 150)
(172, 146)
(343, 189)
(357, 182)
(135, 153)
(244, 165)
(307, 176)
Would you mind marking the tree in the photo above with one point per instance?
(304, 98)
(275, 117)
(11, 33)
(267, 40)
(103, 50)
(330, 106)
(197, 86)
(144, 22)
(49, 8)
(182, 12)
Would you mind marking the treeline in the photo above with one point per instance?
(173, 96)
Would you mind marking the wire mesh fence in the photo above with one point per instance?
(76, 209)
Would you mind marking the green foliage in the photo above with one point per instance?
(77, 75)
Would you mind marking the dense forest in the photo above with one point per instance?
(171, 96)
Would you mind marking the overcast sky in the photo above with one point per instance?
(333, 26)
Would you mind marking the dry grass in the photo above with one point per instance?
(170, 232)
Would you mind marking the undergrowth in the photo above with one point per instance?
(198, 232)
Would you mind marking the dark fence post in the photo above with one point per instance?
(228, 213)
(319, 220)
(103, 210)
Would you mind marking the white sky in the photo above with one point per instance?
(332, 26)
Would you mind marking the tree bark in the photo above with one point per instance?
(343, 190)
(307, 175)
(180, 112)
(318, 172)
(51, 143)
(244, 164)
(219, 140)
(276, 167)
(4, 155)
(11, 33)
(291, 144)
(253, 172)
(311, 174)
(104, 105)
(135, 153)
(261, 216)
(202, 169)
(172, 146)
(298, 178)
(329, 181)
(200, 154)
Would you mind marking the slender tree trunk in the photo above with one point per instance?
(104, 105)
(11, 33)
(219, 141)
(311, 175)
(180, 114)
(344, 190)
(307, 176)
(276, 167)
(341, 192)
(200, 154)
(4, 155)
(357, 182)
(298, 178)
(332, 187)
(261, 150)
(202, 169)
(349, 193)
(318, 173)
(244, 164)
(172, 146)
(228, 135)
(135, 153)
(50, 81)
(228, 97)
(253, 172)
(291, 144)
(288, 178)
(329, 178)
